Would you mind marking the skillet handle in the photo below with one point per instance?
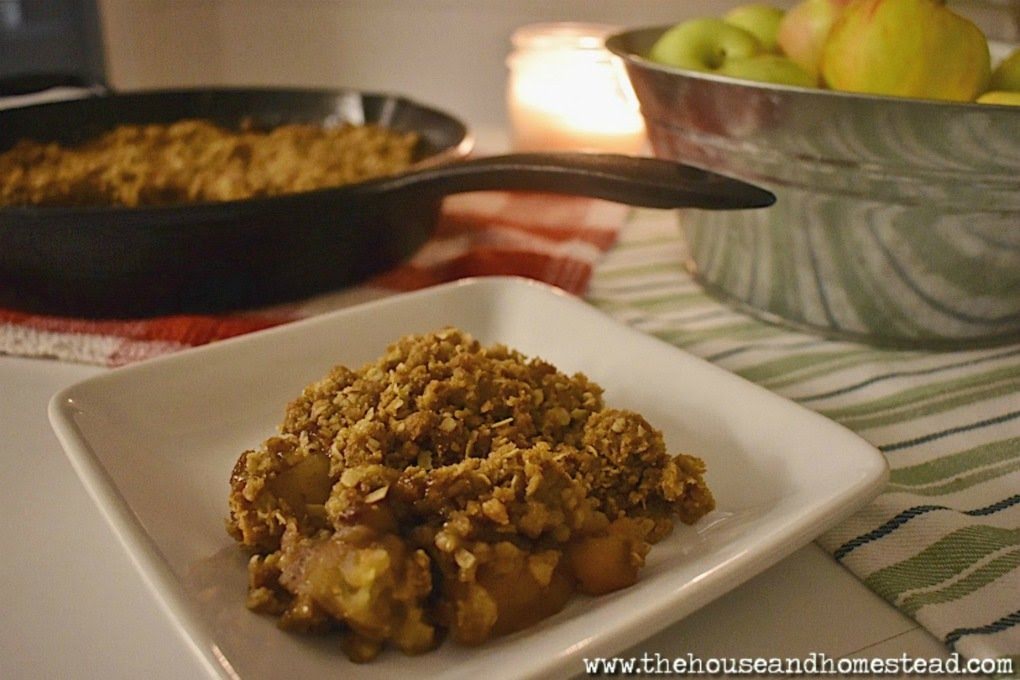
(31, 83)
(639, 181)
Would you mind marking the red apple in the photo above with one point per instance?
(803, 31)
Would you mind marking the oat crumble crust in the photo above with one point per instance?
(195, 160)
(451, 489)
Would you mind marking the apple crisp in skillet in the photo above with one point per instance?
(451, 489)
(195, 161)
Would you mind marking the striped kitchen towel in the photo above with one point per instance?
(942, 542)
(551, 238)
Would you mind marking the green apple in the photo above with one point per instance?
(906, 48)
(768, 68)
(1000, 97)
(703, 45)
(1006, 75)
(803, 31)
(759, 19)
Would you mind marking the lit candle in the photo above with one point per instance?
(567, 92)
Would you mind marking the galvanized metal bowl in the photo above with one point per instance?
(897, 221)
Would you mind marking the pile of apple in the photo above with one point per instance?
(904, 48)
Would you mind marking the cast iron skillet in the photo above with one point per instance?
(205, 257)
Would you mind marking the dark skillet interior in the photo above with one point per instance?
(212, 257)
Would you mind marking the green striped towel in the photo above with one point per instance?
(942, 542)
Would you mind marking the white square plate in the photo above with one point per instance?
(154, 444)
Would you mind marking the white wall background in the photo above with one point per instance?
(448, 53)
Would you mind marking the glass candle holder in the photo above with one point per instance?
(566, 92)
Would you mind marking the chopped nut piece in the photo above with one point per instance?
(496, 511)
(377, 495)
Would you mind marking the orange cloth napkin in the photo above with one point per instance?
(555, 239)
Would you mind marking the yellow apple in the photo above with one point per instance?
(906, 48)
(759, 19)
(803, 31)
(703, 45)
(1000, 97)
(1006, 75)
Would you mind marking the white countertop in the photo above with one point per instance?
(76, 607)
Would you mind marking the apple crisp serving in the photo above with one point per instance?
(451, 489)
(192, 161)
